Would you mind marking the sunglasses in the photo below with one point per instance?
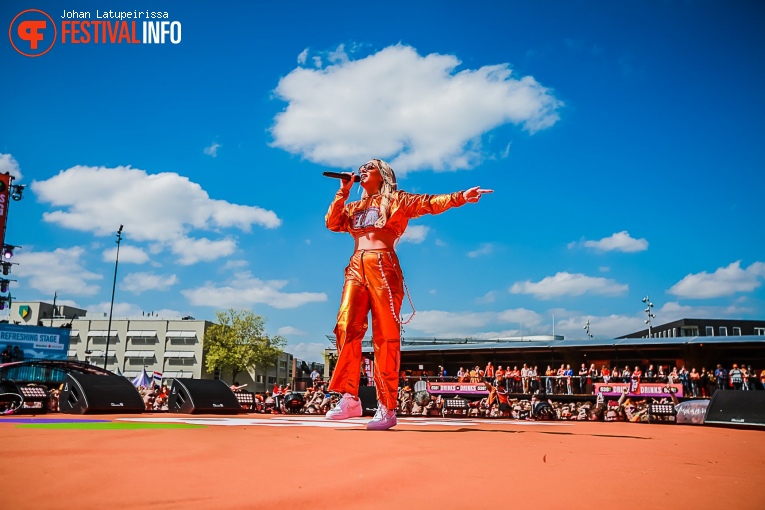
(368, 166)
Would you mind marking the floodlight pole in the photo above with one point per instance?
(111, 307)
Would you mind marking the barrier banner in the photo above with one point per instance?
(458, 388)
(645, 389)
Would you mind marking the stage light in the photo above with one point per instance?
(17, 192)
(8, 251)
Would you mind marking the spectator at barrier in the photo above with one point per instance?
(17, 354)
(694, 379)
(549, 379)
(583, 372)
(605, 374)
(269, 404)
(560, 380)
(736, 377)
(569, 373)
(615, 375)
(704, 382)
(499, 375)
(315, 376)
(626, 374)
(721, 377)
(5, 356)
(460, 374)
(515, 380)
(474, 375)
(744, 377)
(673, 376)
(525, 378)
(649, 374)
(488, 373)
(593, 376)
(534, 382)
(661, 375)
(541, 409)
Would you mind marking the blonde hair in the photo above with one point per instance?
(387, 190)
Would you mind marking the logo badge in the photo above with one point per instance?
(24, 311)
(32, 33)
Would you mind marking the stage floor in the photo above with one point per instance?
(163, 461)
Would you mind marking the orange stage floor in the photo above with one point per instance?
(284, 462)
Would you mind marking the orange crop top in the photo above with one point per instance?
(360, 216)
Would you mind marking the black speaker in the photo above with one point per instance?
(736, 408)
(368, 397)
(189, 396)
(88, 393)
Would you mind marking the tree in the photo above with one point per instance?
(238, 343)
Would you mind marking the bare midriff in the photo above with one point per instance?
(376, 240)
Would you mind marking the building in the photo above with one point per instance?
(171, 347)
(702, 327)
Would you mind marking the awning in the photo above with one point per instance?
(139, 354)
(73, 332)
(72, 353)
(180, 334)
(101, 333)
(100, 354)
(179, 354)
(131, 373)
(171, 375)
(142, 334)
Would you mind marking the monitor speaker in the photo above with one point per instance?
(368, 397)
(736, 408)
(88, 393)
(189, 396)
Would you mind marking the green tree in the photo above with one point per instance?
(238, 343)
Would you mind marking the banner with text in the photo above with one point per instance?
(18, 343)
(644, 389)
(458, 388)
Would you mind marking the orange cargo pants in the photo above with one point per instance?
(373, 282)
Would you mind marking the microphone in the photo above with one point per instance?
(345, 177)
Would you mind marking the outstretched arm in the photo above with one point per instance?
(419, 205)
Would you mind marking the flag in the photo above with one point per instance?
(158, 379)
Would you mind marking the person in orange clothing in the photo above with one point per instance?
(374, 282)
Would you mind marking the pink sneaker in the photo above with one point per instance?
(348, 407)
(383, 419)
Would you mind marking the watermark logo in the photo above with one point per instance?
(32, 33)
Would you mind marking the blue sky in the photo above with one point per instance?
(623, 140)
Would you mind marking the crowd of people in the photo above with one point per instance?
(566, 381)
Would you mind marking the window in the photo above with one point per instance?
(271, 380)
(283, 365)
(736, 331)
(723, 331)
(216, 373)
(710, 331)
(674, 332)
(759, 331)
(260, 379)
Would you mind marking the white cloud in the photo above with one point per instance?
(161, 209)
(9, 165)
(489, 297)
(620, 241)
(244, 290)
(568, 284)
(571, 325)
(302, 57)
(469, 324)
(725, 281)
(485, 249)
(289, 330)
(417, 112)
(212, 150)
(673, 311)
(235, 264)
(312, 351)
(59, 270)
(415, 234)
(141, 282)
(128, 254)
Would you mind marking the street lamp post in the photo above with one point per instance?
(587, 328)
(111, 307)
(649, 313)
